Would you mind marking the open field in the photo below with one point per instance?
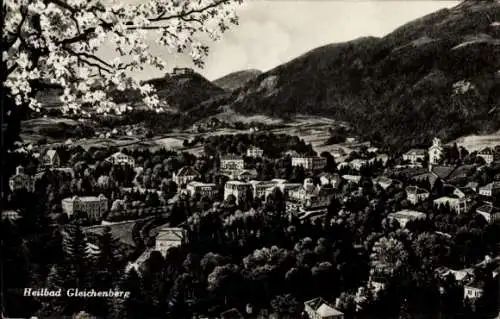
(313, 129)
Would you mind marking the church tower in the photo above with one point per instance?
(435, 152)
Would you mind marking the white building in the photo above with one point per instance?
(406, 215)
(458, 205)
(204, 189)
(352, 178)
(357, 163)
(487, 154)
(319, 309)
(21, 181)
(231, 163)
(415, 194)
(169, 237)
(238, 189)
(414, 155)
(491, 189)
(383, 182)
(309, 162)
(255, 152)
(260, 188)
(119, 158)
(185, 175)
(283, 186)
(51, 159)
(435, 151)
(330, 179)
(473, 290)
(489, 212)
(93, 206)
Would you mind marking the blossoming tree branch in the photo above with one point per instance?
(58, 42)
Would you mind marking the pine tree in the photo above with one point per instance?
(108, 259)
(134, 305)
(77, 256)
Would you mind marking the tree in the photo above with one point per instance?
(57, 42)
(224, 282)
(286, 306)
(388, 256)
(107, 259)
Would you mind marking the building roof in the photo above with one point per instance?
(416, 190)
(384, 180)
(356, 178)
(231, 157)
(487, 208)
(237, 183)
(416, 151)
(443, 172)
(255, 148)
(472, 185)
(187, 171)
(358, 161)
(171, 234)
(486, 151)
(475, 284)
(86, 198)
(492, 185)
(445, 199)
(407, 213)
(195, 183)
(118, 154)
(231, 314)
(322, 308)
(51, 153)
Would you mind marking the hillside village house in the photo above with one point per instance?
(11, 215)
(487, 154)
(383, 158)
(169, 237)
(119, 158)
(352, 178)
(357, 163)
(260, 188)
(204, 189)
(406, 215)
(244, 175)
(232, 163)
(182, 71)
(435, 151)
(311, 196)
(238, 189)
(93, 206)
(383, 182)
(255, 152)
(473, 290)
(330, 179)
(414, 155)
(473, 186)
(319, 309)
(457, 205)
(491, 189)
(283, 186)
(489, 212)
(309, 163)
(51, 159)
(185, 175)
(21, 181)
(416, 194)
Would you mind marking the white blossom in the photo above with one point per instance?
(71, 32)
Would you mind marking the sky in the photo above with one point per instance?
(272, 32)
